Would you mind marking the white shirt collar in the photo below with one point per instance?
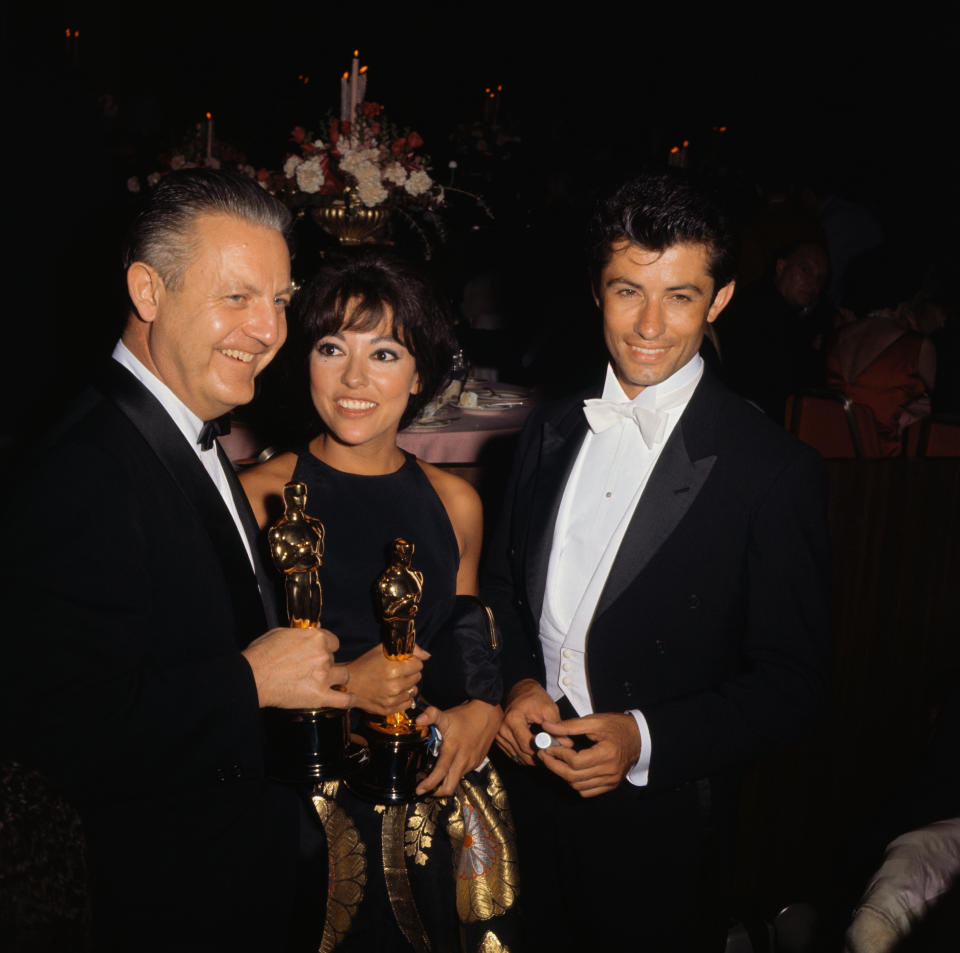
(185, 419)
(655, 394)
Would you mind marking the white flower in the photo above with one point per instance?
(395, 173)
(318, 145)
(153, 178)
(372, 194)
(369, 187)
(418, 183)
(290, 166)
(310, 175)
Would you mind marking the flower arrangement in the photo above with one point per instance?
(197, 148)
(368, 163)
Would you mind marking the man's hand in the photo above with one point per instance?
(468, 731)
(602, 766)
(382, 686)
(527, 704)
(294, 668)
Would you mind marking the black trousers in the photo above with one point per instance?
(628, 870)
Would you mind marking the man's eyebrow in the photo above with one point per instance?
(686, 286)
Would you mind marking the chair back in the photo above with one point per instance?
(833, 424)
(936, 436)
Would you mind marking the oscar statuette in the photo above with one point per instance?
(399, 751)
(303, 744)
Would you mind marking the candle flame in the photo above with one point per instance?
(686, 142)
(346, 76)
(363, 69)
(209, 116)
(674, 150)
(356, 53)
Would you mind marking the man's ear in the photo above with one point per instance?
(720, 301)
(145, 287)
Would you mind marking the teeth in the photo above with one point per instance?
(349, 404)
(244, 356)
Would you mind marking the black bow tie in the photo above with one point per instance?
(218, 427)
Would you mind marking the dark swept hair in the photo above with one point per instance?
(381, 280)
(657, 212)
(162, 233)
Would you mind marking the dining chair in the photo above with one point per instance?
(833, 424)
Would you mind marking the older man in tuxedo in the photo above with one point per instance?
(659, 576)
(144, 642)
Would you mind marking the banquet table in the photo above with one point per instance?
(461, 441)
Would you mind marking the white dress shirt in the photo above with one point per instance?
(605, 484)
(190, 426)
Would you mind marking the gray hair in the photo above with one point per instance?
(162, 233)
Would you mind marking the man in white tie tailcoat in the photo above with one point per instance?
(659, 575)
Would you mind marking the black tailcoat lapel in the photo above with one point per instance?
(561, 440)
(163, 436)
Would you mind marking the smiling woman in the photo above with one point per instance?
(377, 345)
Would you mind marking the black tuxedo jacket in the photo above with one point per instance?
(714, 619)
(132, 596)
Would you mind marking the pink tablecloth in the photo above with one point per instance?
(463, 439)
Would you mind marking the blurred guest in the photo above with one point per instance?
(772, 335)
(885, 362)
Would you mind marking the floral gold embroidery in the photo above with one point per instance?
(485, 861)
(347, 860)
(421, 829)
(491, 944)
(399, 891)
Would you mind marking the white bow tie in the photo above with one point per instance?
(603, 414)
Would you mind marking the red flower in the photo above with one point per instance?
(414, 140)
(371, 109)
(334, 130)
(298, 134)
(263, 175)
(399, 147)
(375, 128)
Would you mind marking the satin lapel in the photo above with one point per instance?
(561, 440)
(146, 413)
(680, 473)
(265, 580)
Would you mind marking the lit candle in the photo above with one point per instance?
(209, 137)
(354, 85)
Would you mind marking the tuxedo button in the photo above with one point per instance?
(694, 601)
(567, 667)
(519, 603)
(659, 644)
(628, 688)
(566, 681)
(221, 775)
(237, 770)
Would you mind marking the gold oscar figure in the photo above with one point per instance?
(398, 593)
(399, 749)
(303, 744)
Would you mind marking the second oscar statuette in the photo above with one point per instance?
(399, 750)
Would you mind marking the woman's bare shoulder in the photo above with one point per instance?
(455, 493)
(264, 484)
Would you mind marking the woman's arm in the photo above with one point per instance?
(468, 729)
(465, 511)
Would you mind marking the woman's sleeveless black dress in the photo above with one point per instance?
(438, 873)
